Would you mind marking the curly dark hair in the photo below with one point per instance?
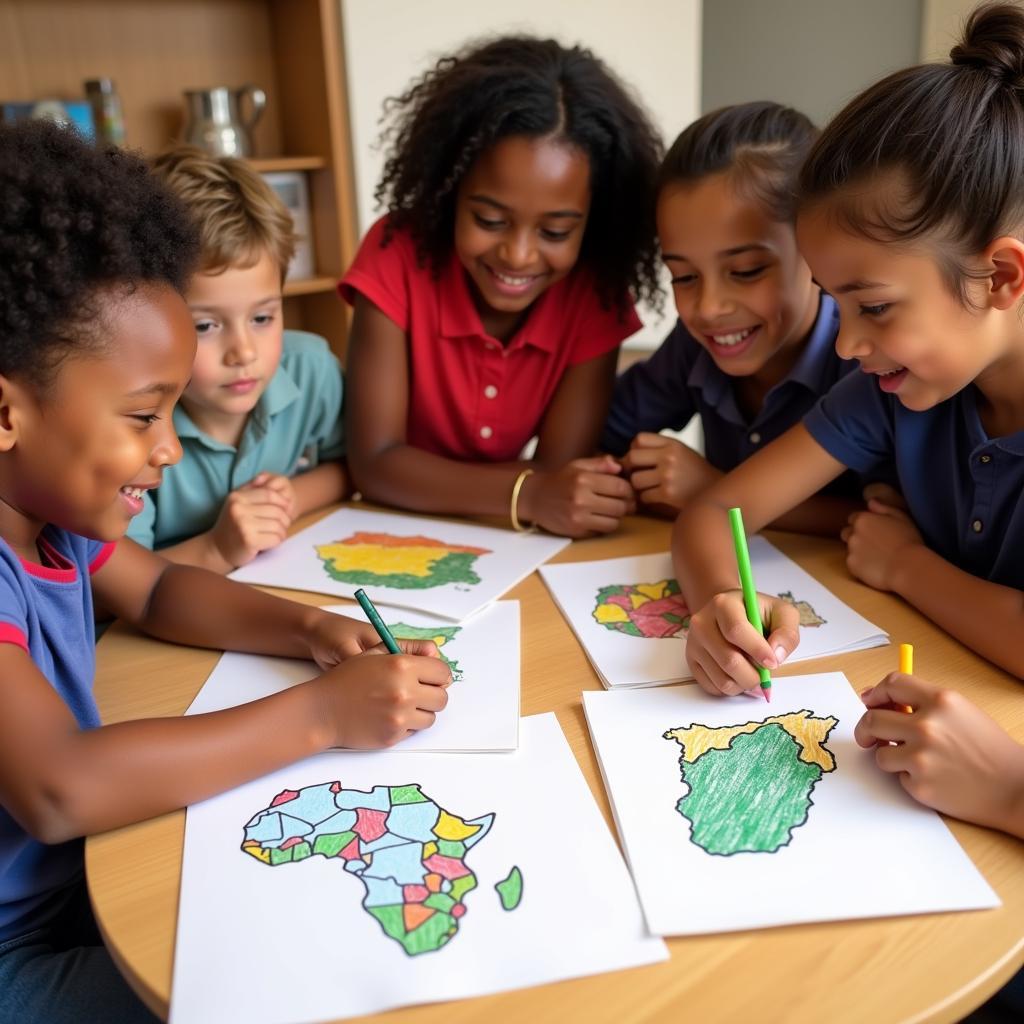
(74, 222)
(531, 87)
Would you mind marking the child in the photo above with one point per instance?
(96, 348)
(754, 346)
(921, 246)
(260, 420)
(491, 300)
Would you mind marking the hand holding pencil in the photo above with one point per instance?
(726, 652)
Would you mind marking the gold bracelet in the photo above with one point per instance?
(512, 514)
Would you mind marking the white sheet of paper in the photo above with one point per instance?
(483, 700)
(658, 655)
(860, 846)
(291, 942)
(447, 569)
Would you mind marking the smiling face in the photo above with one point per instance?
(520, 215)
(237, 316)
(739, 283)
(900, 319)
(80, 453)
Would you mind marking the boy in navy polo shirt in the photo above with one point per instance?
(260, 420)
(754, 347)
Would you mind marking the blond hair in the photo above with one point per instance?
(238, 214)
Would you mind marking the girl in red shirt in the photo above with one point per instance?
(491, 299)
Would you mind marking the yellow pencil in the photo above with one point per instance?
(907, 668)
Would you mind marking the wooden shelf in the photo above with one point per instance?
(310, 286)
(268, 164)
(156, 49)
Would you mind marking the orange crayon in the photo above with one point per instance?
(907, 668)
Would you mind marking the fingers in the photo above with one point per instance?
(419, 720)
(598, 464)
(882, 509)
(880, 725)
(608, 486)
(431, 698)
(421, 648)
(718, 683)
(251, 495)
(647, 440)
(642, 458)
(897, 688)
(782, 623)
(886, 494)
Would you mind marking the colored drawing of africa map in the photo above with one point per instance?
(406, 563)
(441, 635)
(750, 785)
(409, 853)
(658, 610)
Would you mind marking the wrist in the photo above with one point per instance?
(907, 567)
(215, 558)
(526, 504)
(1014, 818)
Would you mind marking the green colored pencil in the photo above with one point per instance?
(739, 540)
(377, 622)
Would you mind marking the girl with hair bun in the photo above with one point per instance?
(911, 214)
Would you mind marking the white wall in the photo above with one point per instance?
(814, 55)
(653, 45)
(941, 22)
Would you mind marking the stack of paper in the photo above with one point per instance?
(483, 700)
(738, 814)
(632, 620)
(448, 569)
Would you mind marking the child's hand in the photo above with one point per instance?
(372, 701)
(876, 540)
(666, 472)
(253, 518)
(336, 638)
(948, 754)
(886, 494)
(279, 484)
(585, 497)
(721, 642)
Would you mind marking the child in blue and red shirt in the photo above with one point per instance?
(96, 348)
(491, 300)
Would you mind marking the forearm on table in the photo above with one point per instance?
(119, 774)
(319, 487)
(702, 552)
(195, 607)
(984, 616)
(199, 551)
(823, 515)
(412, 478)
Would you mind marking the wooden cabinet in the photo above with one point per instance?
(155, 49)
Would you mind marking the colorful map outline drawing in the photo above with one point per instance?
(646, 610)
(441, 635)
(370, 830)
(750, 786)
(658, 611)
(400, 562)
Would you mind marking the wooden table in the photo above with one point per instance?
(927, 968)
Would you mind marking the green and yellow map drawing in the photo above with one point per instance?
(657, 611)
(405, 563)
(652, 610)
(409, 853)
(441, 635)
(750, 785)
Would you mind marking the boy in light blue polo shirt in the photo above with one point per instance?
(260, 421)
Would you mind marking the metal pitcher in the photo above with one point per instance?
(214, 119)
